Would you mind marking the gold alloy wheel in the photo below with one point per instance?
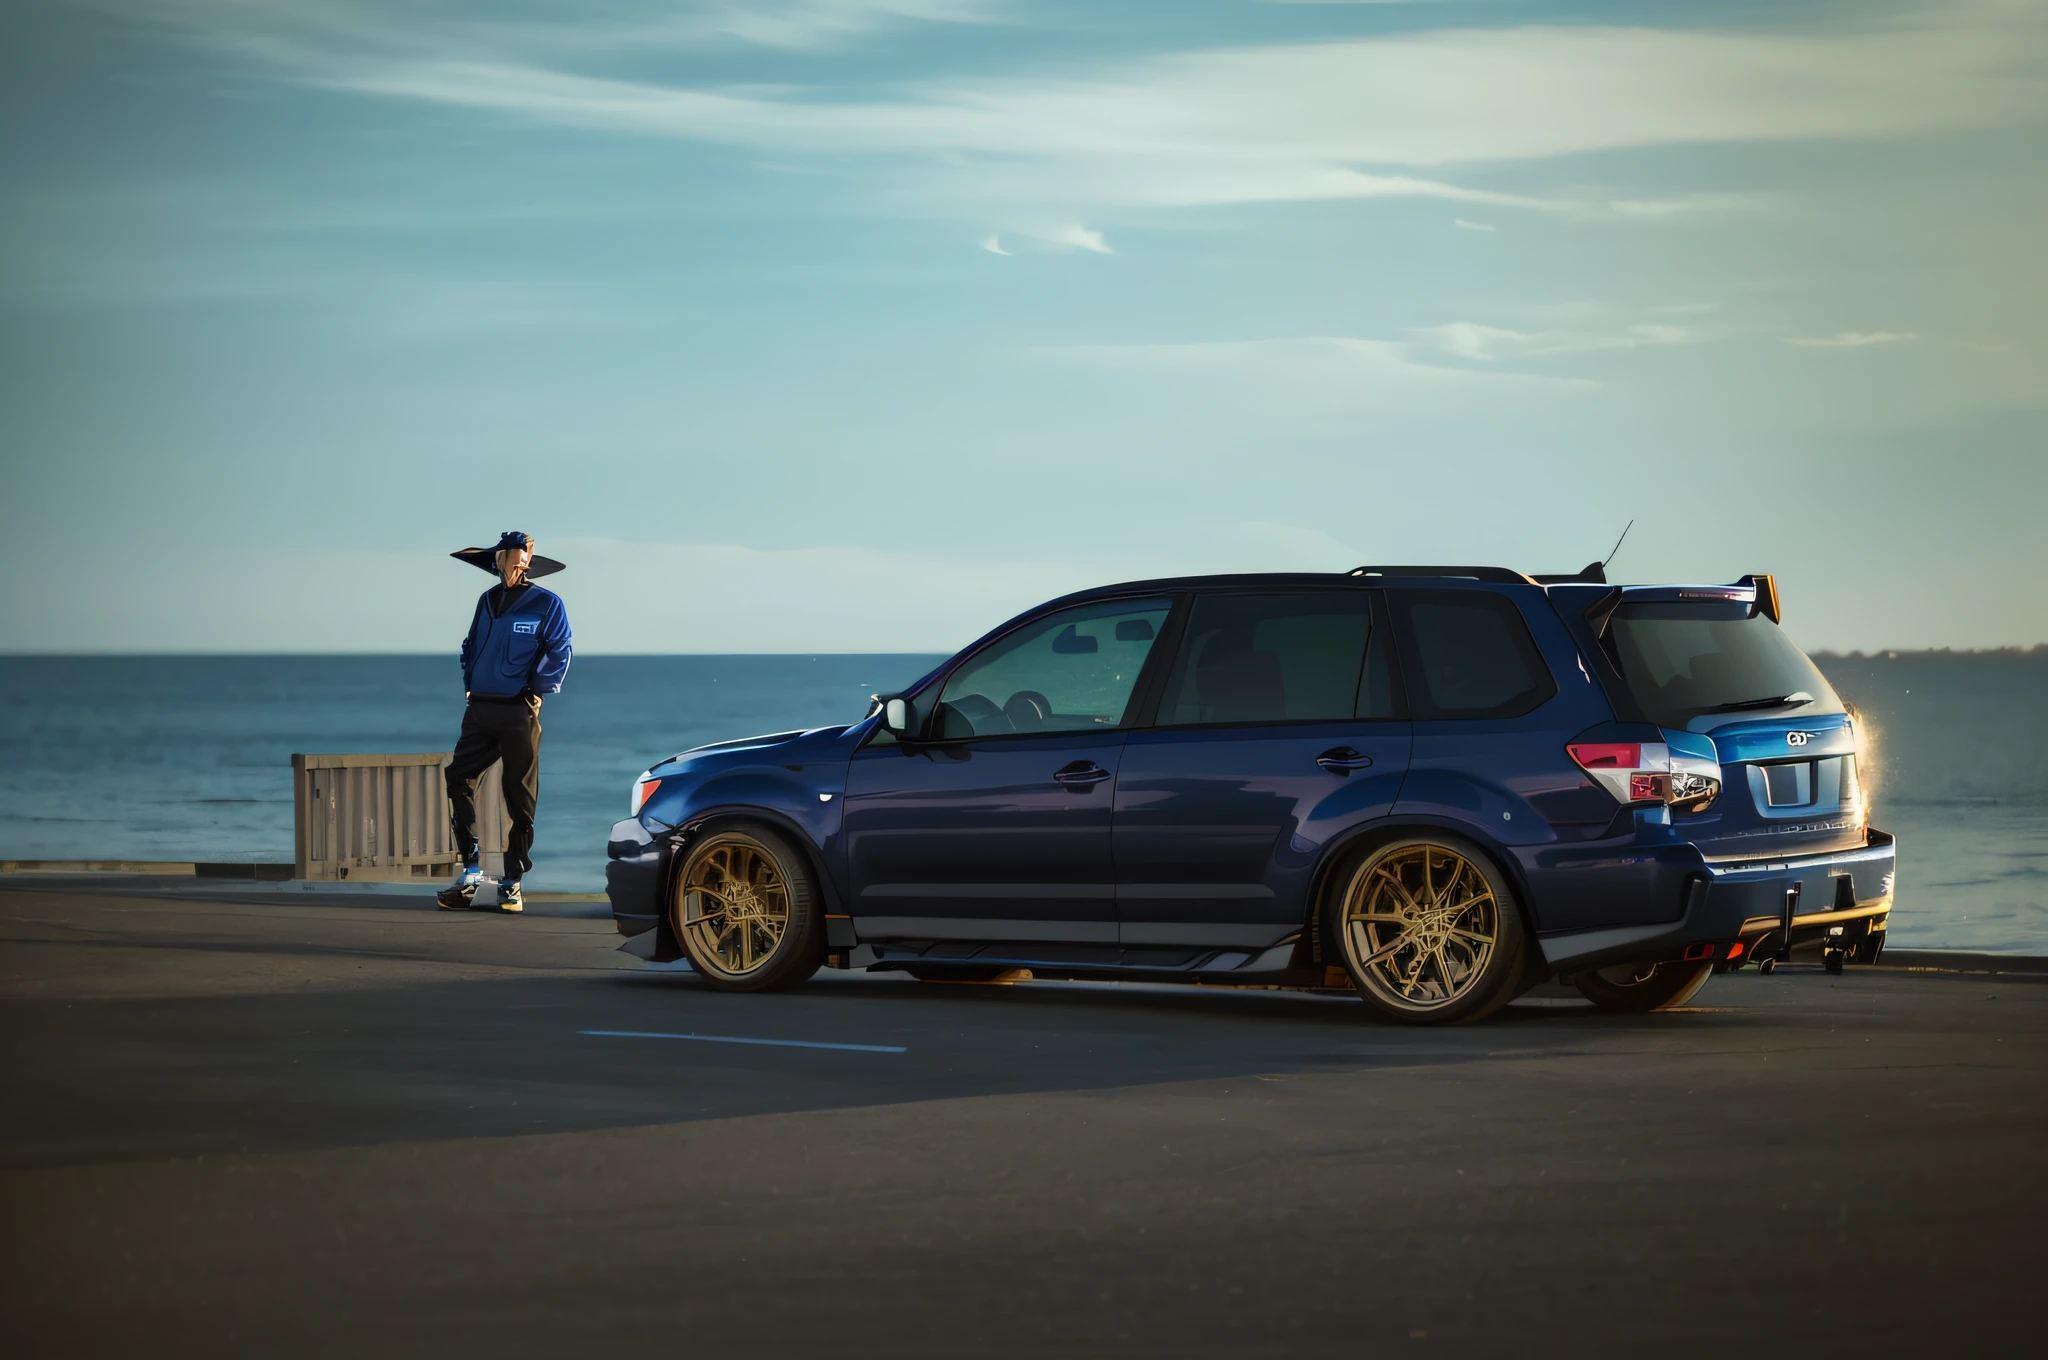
(1420, 924)
(735, 905)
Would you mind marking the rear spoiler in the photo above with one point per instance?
(1766, 587)
(1759, 590)
(1592, 574)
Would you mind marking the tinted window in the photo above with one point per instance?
(1376, 691)
(1686, 658)
(1068, 672)
(1269, 658)
(1467, 654)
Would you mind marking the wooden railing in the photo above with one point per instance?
(384, 818)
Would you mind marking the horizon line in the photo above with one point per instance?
(1871, 653)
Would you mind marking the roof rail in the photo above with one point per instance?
(1498, 575)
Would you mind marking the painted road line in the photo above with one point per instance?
(733, 1039)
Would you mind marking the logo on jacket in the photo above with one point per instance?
(1791, 738)
(525, 625)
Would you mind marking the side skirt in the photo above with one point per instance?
(1273, 967)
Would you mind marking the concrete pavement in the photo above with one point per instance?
(271, 1127)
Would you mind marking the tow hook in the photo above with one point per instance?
(1783, 951)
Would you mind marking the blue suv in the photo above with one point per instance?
(1436, 786)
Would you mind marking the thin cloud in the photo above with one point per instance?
(1471, 340)
(1081, 238)
(1686, 205)
(1471, 226)
(1232, 124)
(1044, 239)
(1484, 344)
(1851, 339)
(564, 31)
(1338, 367)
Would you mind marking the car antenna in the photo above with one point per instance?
(1617, 545)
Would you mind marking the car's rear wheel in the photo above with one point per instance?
(1429, 931)
(746, 909)
(1635, 989)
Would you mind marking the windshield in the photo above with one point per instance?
(1686, 659)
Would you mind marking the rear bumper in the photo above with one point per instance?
(1732, 901)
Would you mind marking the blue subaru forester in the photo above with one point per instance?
(1438, 786)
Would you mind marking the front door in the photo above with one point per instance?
(1276, 731)
(996, 825)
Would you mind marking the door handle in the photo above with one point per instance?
(1080, 772)
(1342, 760)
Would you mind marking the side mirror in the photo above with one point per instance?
(896, 715)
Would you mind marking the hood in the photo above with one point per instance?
(792, 748)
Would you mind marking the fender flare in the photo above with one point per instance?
(705, 819)
(1393, 826)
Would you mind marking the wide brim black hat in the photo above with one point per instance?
(486, 559)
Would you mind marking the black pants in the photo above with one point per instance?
(508, 731)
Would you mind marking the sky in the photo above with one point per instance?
(859, 325)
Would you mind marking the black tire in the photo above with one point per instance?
(1641, 988)
(721, 940)
(1462, 962)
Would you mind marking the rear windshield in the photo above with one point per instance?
(1687, 659)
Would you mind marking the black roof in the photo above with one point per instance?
(1361, 578)
(1368, 577)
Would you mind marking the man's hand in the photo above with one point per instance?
(532, 704)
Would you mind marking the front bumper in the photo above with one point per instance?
(632, 877)
(1844, 896)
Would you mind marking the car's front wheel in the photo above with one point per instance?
(747, 911)
(1429, 931)
(1634, 989)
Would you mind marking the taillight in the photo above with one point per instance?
(1648, 773)
(643, 789)
(1602, 755)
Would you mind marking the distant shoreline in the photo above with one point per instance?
(442, 653)
(1921, 653)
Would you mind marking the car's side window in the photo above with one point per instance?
(1270, 658)
(1376, 690)
(1068, 672)
(1467, 654)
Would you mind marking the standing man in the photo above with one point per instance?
(517, 650)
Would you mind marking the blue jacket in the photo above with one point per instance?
(523, 650)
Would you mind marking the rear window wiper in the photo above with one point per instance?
(1792, 700)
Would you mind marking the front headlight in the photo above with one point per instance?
(643, 789)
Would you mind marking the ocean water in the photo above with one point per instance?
(185, 758)
(189, 758)
(1960, 746)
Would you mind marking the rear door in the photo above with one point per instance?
(1276, 729)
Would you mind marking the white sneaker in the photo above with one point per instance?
(458, 895)
(508, 896)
